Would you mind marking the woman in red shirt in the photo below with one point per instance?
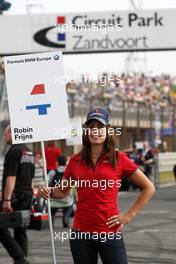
(97, 170)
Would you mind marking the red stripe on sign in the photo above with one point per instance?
(38, 89)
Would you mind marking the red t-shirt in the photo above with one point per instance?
(97, 191)
(52, 153)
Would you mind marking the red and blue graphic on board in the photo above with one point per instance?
(36, 96)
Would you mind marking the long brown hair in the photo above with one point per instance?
(108, 148)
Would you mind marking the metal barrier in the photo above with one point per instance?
(164, 162)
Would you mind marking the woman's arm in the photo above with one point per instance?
(55, 192)
(147, 191)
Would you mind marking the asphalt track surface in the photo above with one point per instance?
(150, 237)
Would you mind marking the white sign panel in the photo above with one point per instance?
(76, 132)
(89, 31)
(37, 97)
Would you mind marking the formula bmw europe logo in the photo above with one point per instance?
(56, 57)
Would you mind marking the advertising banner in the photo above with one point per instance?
(84, 32)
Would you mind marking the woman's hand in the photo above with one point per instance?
(44, 192)
(121, 219)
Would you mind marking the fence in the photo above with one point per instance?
(164, 163)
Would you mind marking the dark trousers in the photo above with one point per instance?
(86, 250)
(17, 245)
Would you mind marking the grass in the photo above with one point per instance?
(166, 177)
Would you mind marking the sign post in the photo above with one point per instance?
(48, 203)
(37, 104)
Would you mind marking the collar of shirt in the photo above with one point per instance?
(105, 158)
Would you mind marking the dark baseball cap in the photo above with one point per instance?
(99, 114)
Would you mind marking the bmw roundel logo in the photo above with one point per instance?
(73, 132)
(56, 57)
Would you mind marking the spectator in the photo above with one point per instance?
(135, 87)
(52, 152)
(138, 158)
(16, 195)
(148, 160)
